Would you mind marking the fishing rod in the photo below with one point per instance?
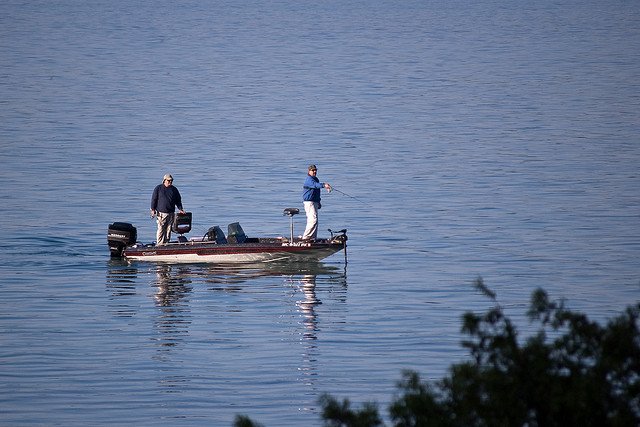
(348, 195)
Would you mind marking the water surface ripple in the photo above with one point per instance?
(493, 140)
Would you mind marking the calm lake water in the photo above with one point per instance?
(496, 140)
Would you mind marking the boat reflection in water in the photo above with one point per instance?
(216, 310)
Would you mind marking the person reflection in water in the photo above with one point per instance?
(172, 299)
(164, 200)
(307, 305)
(311, 201)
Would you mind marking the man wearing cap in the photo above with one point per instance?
(164, 200)
(311, 201)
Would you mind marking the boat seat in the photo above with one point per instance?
(235, 233)
(291, 211)
(215, 234)
(181, 223)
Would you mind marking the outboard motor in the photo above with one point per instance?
(119, 236)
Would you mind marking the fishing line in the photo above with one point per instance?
(348, 195)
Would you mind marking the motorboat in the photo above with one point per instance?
(215, 247)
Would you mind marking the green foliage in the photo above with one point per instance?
(586, 375)
(589, 375)
(244, 421)
(337, 414)
(418, 405)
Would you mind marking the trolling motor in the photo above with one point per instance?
(338, 236)
(290, 212)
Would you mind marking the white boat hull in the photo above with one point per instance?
(233, 254)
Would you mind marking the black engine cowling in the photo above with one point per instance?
(119, 236)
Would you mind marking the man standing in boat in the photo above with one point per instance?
(164, 200)
(311, 201)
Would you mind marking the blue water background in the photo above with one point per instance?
(481, 139)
